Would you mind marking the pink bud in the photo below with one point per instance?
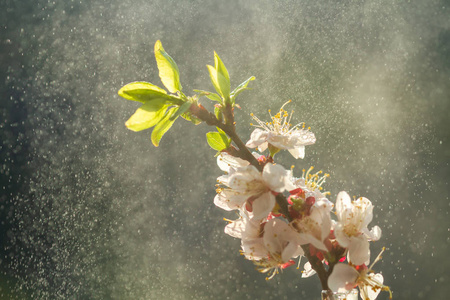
(310, 201)
(296, 191)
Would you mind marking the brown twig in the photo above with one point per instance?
(229, 128)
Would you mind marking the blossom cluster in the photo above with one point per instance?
(274, 237)
(281, 217)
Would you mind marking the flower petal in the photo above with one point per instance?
(257, 137)
(292, 250)
(343, 203)
(263, 205)
(358, 250)
(340, 235)
(304, 137)
(343, 276)
(279, 140)
(221, 200)
(307, 238)
(280, 238)
(276, 177)
(253, 249)
(308, 270)
(229, 199)
(263, 147)
(235, 228)
(374, 234)
(297, 152)
(240, 179)
(323, 202)
(372, 292)
(363, 208)
(228, 163)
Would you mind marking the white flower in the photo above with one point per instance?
(315, 227)
(312, 209)
(282, 244)
(271, 245)
(252, 189)
(281, 134)
(311, 184)
(250, 232)
(351, 228)
(346, 277)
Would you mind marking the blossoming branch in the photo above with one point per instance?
(282, 218)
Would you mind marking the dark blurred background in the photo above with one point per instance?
(90, 210)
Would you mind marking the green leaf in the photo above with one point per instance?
(168, 69)
(218, 112)
(181, 110)
(223, 133)
(240, 88)
(221, 69)
(220, 83)
(217, 140)
(213, 75)
(163, 125)
(142, 92)
(209, 95)
(148, 115)
(191, 118)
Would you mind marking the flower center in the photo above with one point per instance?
(314, 181)
(256, 187)
(355, 219)
(280, 123)
(272, 264)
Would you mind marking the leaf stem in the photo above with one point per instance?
(229, 128)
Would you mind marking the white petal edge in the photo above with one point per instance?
(342, 277)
